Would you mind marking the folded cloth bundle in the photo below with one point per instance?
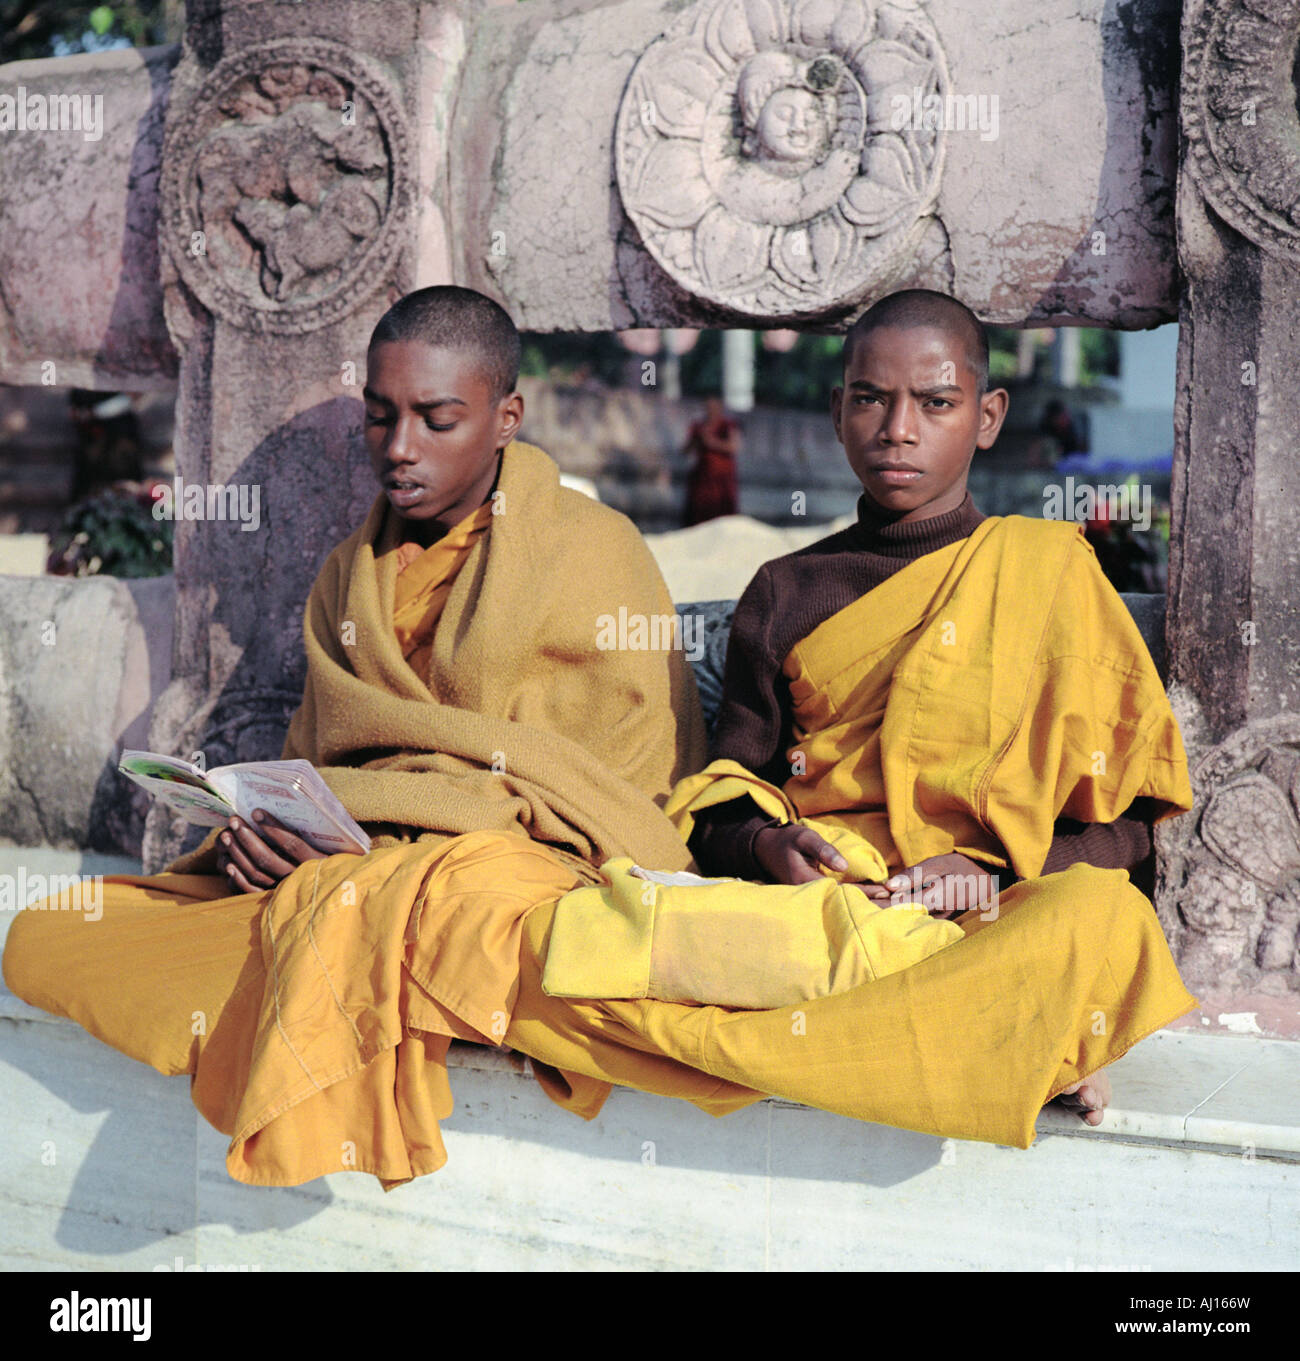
(680, 938)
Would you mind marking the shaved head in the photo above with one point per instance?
(923, 307)
(447, 317)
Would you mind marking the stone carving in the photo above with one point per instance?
(780, 157)
(1240, 117)
(1236, 887)
(285, 185)
(249, 724)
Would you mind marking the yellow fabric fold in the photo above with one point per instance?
(967, 1044)
(424, 581)
(724, 780)
(729, 943)
(314, 1017)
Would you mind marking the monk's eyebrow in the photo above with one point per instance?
(430, 404)
(862, 385)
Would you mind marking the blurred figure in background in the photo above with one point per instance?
(109, 446)
(1061, 428)
(714, 441)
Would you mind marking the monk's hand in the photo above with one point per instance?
(949, 885)
(791, 854)
(255, 860)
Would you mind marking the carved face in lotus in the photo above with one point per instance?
(787, 117)
(792, 127)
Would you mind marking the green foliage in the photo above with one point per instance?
(1003, 342)
(702, 366)
(573, 358)
(56, 28)
(1099, 355)
(113, 533)
(801, 378)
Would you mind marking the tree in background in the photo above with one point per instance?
(55, 28)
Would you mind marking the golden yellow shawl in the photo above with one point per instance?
(973, 698)
(522, 722)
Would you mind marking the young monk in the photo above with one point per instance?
(914, 407)
(459, 703)
(963, 703)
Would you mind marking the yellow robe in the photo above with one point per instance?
(315, 1017)
(976, 696)
(957, 708)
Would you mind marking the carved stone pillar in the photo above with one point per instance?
(1229, 885)
(287, 227)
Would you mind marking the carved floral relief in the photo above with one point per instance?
(773, 154)
(285, 185)
(1235, 887)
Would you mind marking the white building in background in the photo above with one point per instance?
(1141, 428)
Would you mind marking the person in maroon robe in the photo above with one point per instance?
(711, 489)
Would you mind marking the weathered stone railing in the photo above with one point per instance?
(81, 663)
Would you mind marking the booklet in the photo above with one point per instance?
(675, 878)
(292, 791)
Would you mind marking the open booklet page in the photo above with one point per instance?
(291, 791)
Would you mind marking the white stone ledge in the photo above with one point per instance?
(108, 1166)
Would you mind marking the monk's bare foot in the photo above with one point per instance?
(1088, 1098)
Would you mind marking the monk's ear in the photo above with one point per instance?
(993, 411)
(837, 405)
(510, 416)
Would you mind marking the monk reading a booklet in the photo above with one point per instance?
(459, 704)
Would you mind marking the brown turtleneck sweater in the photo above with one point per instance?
(787, 599)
